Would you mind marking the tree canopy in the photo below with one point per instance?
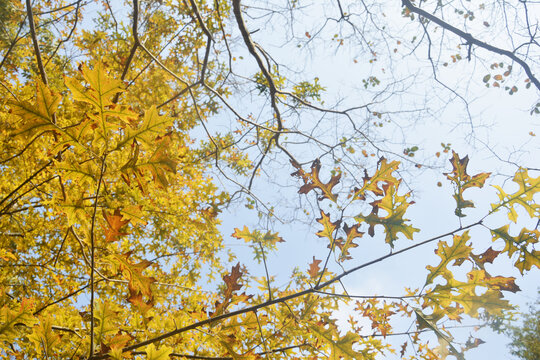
(128, 132)
(525, 340)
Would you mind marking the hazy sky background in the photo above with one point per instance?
(492, 124)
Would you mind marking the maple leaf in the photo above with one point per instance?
(384, 173)
(463, 181)
(115, 224)
(314, 268)
(395, 206)
(524, 197)
(312, 180)
(39, 116)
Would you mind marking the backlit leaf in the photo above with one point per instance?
(463, 181)
(312, 180)
(37, 116)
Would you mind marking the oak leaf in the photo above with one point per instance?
(137, 282)
(39, 116)
(524, 196)
(463, 181)
(527, 257)
(384, 174)
(312, 180)
(314, 268)
(115, 224)
(43, 337)
(152, 353)
(393, 222)
(11, 319)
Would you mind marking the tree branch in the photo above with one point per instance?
(35, 42)
(473, 41)
(284, 298)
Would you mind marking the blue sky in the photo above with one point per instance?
(487, 124)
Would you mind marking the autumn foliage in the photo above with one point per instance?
(110, 207)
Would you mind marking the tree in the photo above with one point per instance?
(115, 169)
(525, 342)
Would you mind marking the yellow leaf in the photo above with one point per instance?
(524, 197)
(463, 181)
(39, 116)
(152, 353)
(10, 319)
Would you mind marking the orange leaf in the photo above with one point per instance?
(314, 268)
(115, 224)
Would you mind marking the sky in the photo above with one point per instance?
(487, 124)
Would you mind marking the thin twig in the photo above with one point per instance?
(260, 332)
(285, 298)
(266, 271)
(35, 42)
(472, 40)
(92, 258)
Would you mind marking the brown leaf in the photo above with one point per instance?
(115, 224)
(463, 181)
(314, 268)
(486, 257)
(312, 181)
(231, 280)
(403, 349)
(136, 299)
(232, 285)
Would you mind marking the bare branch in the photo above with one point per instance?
(473, 41)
